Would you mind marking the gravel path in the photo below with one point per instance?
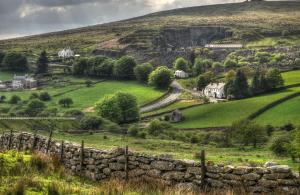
(172, 97)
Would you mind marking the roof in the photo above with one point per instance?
(215, 85)
(180, 71)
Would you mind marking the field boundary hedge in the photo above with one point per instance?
(271, 105)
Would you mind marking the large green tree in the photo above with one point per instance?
(120, 108)
(161, 77)
(42, 63)
(181, 64)
(274, 78)
(238, 88)
(142, 72)
(34, 108)
(15, 61)
(80, 65)
(123, 68)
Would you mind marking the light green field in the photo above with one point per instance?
(286, 112)
(5, 76)
(291, 77)
(274, 41)
(86, 97)
(223, 114)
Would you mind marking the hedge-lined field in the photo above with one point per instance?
(85, 97)
(287, 112)
(223, 114)
(291, 77)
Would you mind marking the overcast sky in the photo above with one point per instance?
(27, 17)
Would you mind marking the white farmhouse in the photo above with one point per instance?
(215, 90)
(65, 53)
(17, 84)
(25, 81)
(181, 74)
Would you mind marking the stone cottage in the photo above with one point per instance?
(215, 90)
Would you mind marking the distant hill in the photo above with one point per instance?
(149, 36)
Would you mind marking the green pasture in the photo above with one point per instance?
(291, 77)
(223, 114)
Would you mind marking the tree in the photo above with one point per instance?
(181, 64)
(230, 75)
(109, 108)
(2, 55)
(161, 77)
(123, 68)
(44, 96)
(80, 65)
(238, 88)
(142, 72)
(204, 79)
(229, 63)
(245, 132)
(104, 68)
(199, 67)
(88, 83)
(2, 98)
(90, 122)
(121, 108)
(34, 108)
(295, 146)
(42, 63)
(14, 99)
(15, 61)
(129, 107)
(263, 57)
(274, 79)
(217, 66)
(74, 113)
(65, 102)
(255, 84)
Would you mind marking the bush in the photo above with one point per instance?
(34, 96)
(34, 108)
(114, 128)
(280, 143)
(74, 113)
(49, 112)
(229, 63)
(199, 66)
(2, 98)
(65, 102)
(157, 127)
(44, 96)
(142, 72)
(90, 123)
(161, 77)
(142, 135)
(263, 57)
(133, 130)
(194, 140)
(14, 99)
(80, 66)
(287, 127)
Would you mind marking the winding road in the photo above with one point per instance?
(174, 95)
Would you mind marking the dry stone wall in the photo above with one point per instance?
(99, 164)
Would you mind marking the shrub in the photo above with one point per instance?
(194, 140)
(90, 123)
(287, 127)
(199, 66)
(34, 96)
(2, 98)
(263, 57)
(88, 83)
(229, 63)
(65, 102)
(34, 107)
(161, 77)
(114, 128)
(274, 78)
(133, 130)
(14, 99)
(280, 143)
(44, 96)
(142, 72)
(49, 112)
(142, 135)
(156, 127)
(74, 113)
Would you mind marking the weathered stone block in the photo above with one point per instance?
(153, 173)
(280, 169)
(144, 166)
(136, 172)
(194, 170)
(240, 170)
(213, 175)
(268, 183)
(162, 165)
(116, 166)
(106, 171)
(275, 176)
(251, 176)
(173, 175)
(215, 183)
(230, 176)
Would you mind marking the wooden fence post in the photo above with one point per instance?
(203, 168)
(62, 151)
(49, 142)
(10, 140)
(20, 141)
(34, 141)
(126, 163)
(82, 156)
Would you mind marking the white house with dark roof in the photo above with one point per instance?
(224, 46)
(181, 74)
(66, 53)
(25, 81)
(215, 90)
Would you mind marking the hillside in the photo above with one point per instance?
(151, 36)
